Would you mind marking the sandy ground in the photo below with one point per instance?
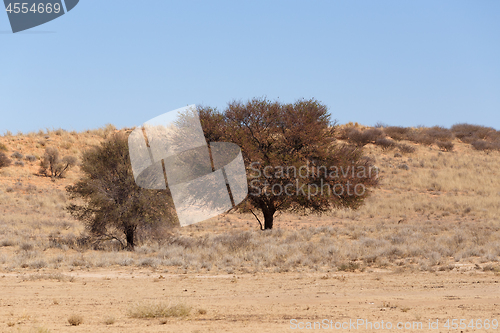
(249, 302)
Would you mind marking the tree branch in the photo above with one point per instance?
(261, 227)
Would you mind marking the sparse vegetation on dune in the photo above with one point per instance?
(437, 206)
(436, 209)
(480, 137)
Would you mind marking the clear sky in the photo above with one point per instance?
(124, 62)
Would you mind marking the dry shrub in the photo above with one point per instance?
(17, 155)
(421, 137)
(485, 145)
(75, 320)
(491, 268)
(26, 246)
(4, 160)
(153, 233)
(494, 136)
(343, 134)
(3, 147)
(350, 267)
(467, 132)
(406, 149)
(7, 242)
(438, 133)
(53, 166)
(385, 143)
(445, 145)
(159, 310)
(30, 158)
(59, 131)
(103, 132)
(362, 138)
(397, 133)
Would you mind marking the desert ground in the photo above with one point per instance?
(424, 248)
(260, 302)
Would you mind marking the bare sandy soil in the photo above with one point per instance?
(249, 302)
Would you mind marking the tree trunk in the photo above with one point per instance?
(268, 219)
(129, 234)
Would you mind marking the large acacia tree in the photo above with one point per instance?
(110, 200)
(292, 159)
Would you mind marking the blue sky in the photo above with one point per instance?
(403, 63)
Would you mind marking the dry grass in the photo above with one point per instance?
(350, 246)
(433, 210)
(75, 320)
(41, 330)
(159, 310)
(47, 276)
(453, 184)
(31, 330)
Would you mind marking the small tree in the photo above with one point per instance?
(53, 166)
(292, 160)
(111, 198)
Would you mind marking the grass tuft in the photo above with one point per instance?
(159, 310)
(75, 320)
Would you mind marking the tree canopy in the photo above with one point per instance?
(292, 159)
(110, 199)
